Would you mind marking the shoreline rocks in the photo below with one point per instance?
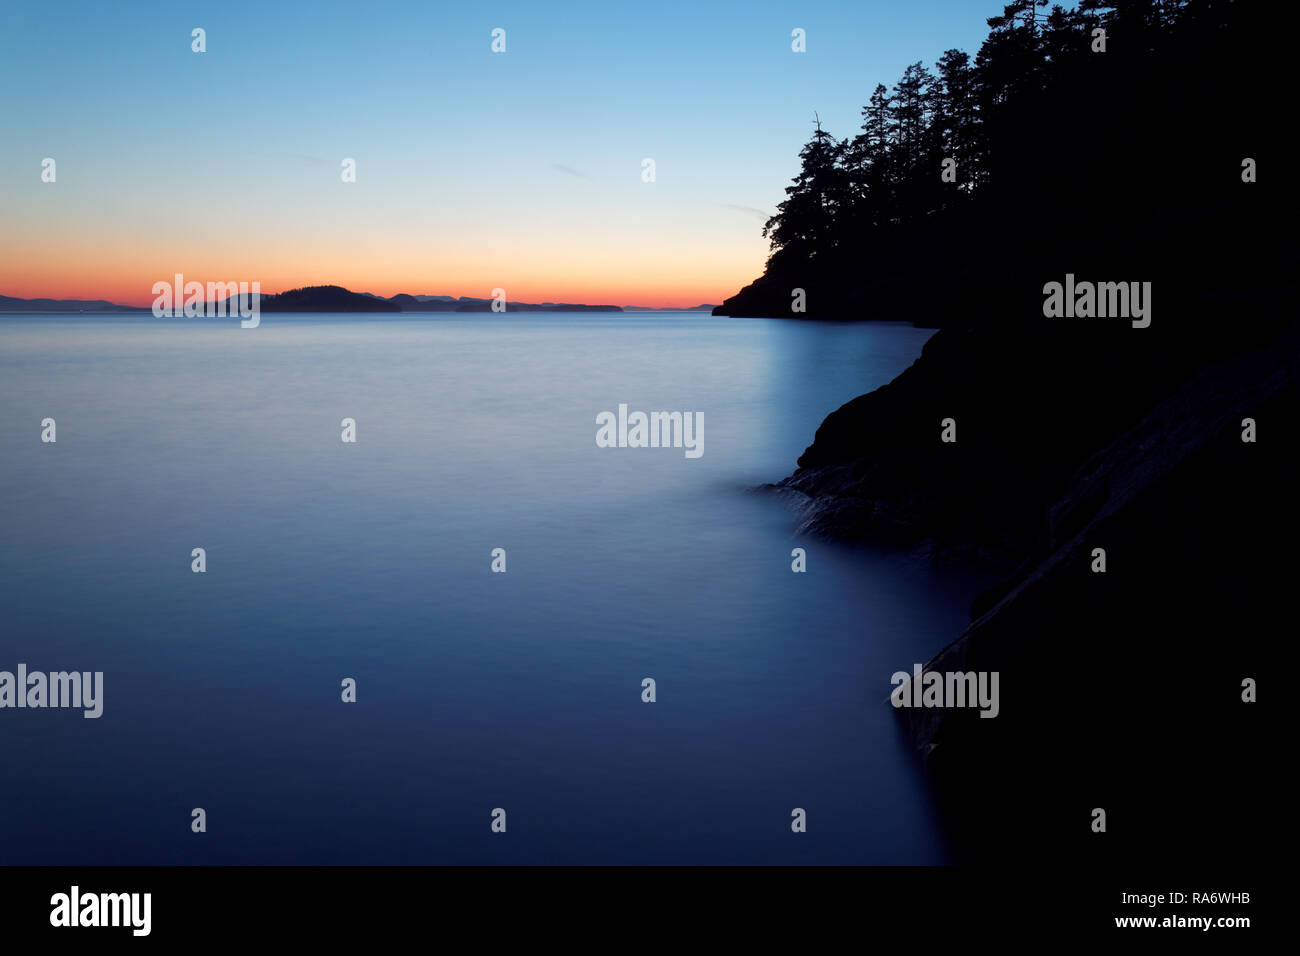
(1114, 683)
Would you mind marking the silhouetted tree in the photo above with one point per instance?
(1036, 113)
(869, 159)
(956, 115)
(804, 222)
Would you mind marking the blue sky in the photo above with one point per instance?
(473, 167)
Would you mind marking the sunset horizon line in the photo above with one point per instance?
(145, 302)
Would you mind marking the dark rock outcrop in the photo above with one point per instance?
(1120, 690)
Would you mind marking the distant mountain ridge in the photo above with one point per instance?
(9, 303)
(325, 298)
(334, 298)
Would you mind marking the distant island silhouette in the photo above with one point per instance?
(334, 298)
(10, 303)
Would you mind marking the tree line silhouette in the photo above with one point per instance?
(1054, 135)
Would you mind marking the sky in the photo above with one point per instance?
(475, 170)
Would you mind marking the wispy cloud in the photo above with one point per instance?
(301, 159)
(750, 210)
(570, 171)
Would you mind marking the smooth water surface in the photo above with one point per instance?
(371, 560)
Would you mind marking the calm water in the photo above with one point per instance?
(474, 690)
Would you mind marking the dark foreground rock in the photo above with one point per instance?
(1119, 690)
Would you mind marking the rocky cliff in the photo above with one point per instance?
(1121, 689)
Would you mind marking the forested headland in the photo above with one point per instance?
(1114, 473)
(1108, 138)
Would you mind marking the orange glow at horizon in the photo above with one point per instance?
(124, 273)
